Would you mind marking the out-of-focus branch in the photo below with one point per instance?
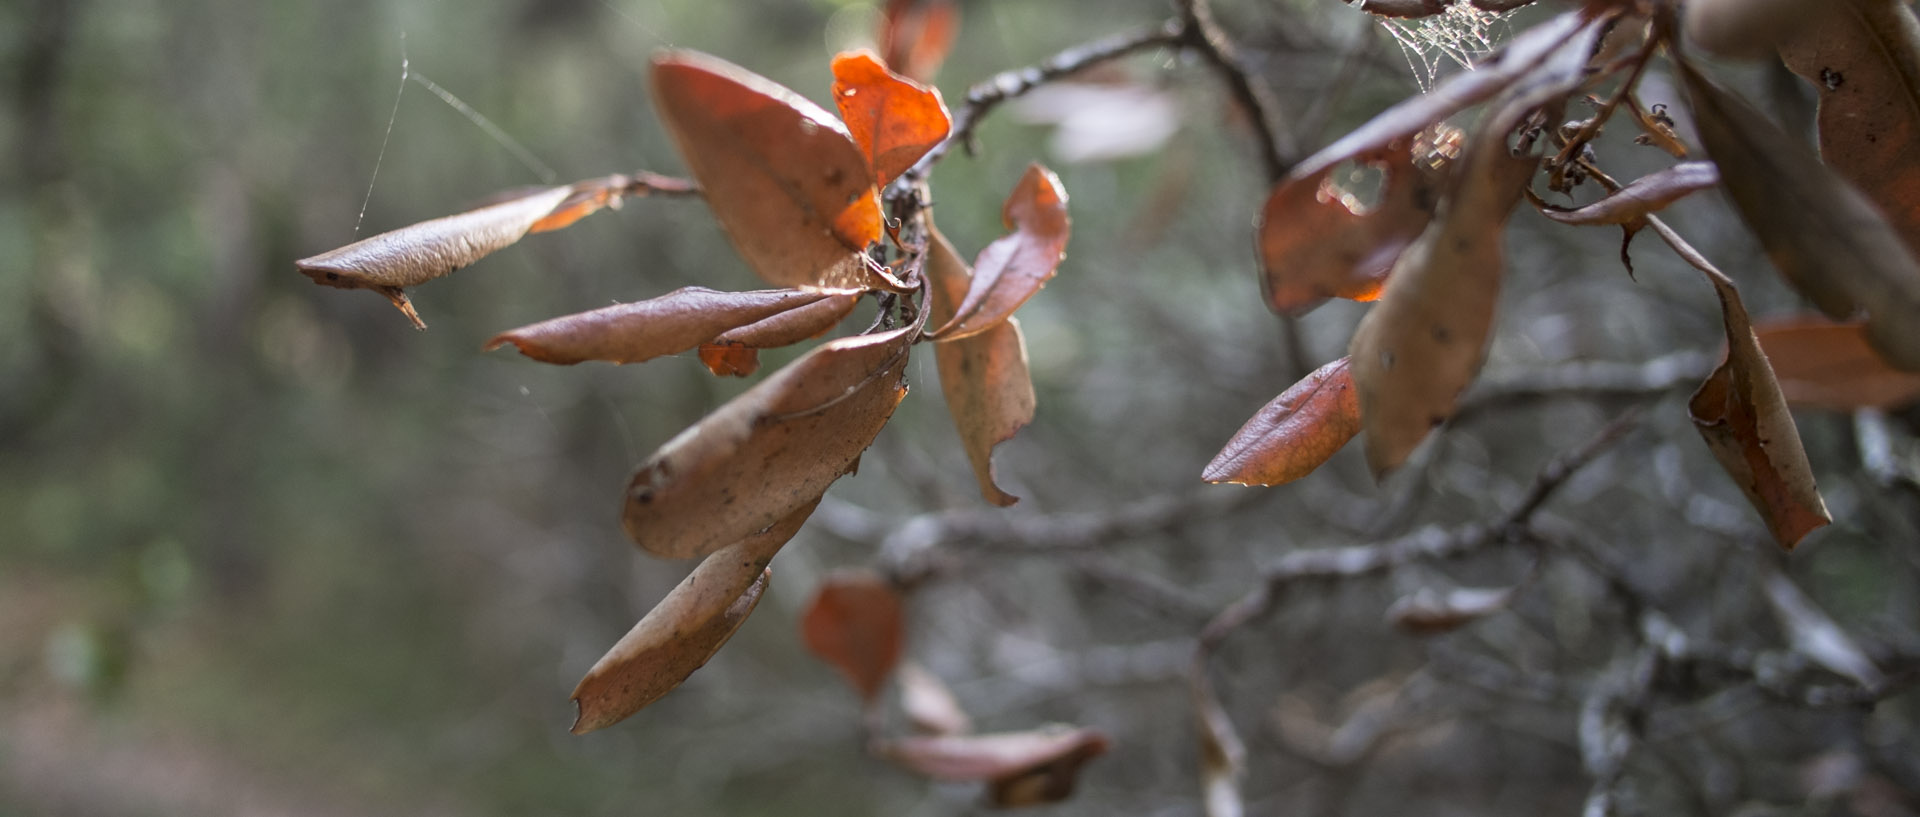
(1593, 378)
(1202, 33)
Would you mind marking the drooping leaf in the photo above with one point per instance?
(737, 351)
(1014, 267)
(854, 623)
(1747, 28)
(591, 196)
(1822, 234)
(685, 629)
(676, 322)
(892, 119)
(1648, 194)
(1430, 612)
(929, 705)
(1022, 768)
(1742, 414)
(389, 262)
(1831, 366)
(984, 378)
(915, 35)
(782, 175)
(1293, 435)
(770, 450)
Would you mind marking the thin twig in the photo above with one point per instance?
(1202, 33)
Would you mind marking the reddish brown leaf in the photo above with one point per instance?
(893, 120)
(984, 378)
(929, 705)
(1293, 435)
(591, 196)
(1831, 366)
(1651, 193)
(670, 324)
(1023, 768)
(1747, 28)
(685, 629)
(915, 35)
(782, 176)
(770, 450)
(1013, 268)
(854, 623)
(389, 262)
(1431, 612)
(736, 351)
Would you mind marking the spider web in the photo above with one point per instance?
(1461, 35)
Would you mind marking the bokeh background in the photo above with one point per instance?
(265, 549)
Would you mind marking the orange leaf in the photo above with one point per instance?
(773, 448)
(854, 623)
(893, 119)
(670, 324)
(1831, 366)
(1023, 768)
(1293, 435)
(984, 378)
(736, 351)
(685, 629)
(593, 195)
(915, 35)
(1013, 268)
(781, 174)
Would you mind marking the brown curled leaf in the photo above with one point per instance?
(782, 175)
(1293, 435)
(1830, 242)
(676, 322)
(389, 262)
(1014, 267)
(685, 629)
(1430, 612)
(1651, 193)
(854, 622)
(985, 379)
(593, 195)
(1022, 768)
(773, 448)
(929, 705)
(893, 120)
(1831, 366)
(737, 351)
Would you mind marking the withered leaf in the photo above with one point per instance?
(782, 175)
(985, 379)
(1742, 414)
(854, 622)
(915, 35)
(929, 705)
(736, 351)
(685, 629)
(770, 450)
(1023, 768)
(1831, 366)
(1014, 267)
(1747, 28)
(1648, 194)
(1293, 435)
(1822, 234)
(676, 322)
(893, 120)
(1430, 612)
(389, 262)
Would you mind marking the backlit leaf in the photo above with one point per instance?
(929, 705)
(676, 322)
(1014, 267)
(915, 35)
(984, 377)
(1293, 435)
(685, 629)
(892, 119)
(1831, 366)
(1022, 768)
(782, 176)
(736, 351)
(854, 623)
(770, 450)
(1648, 194)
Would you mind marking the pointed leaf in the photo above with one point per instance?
(736, 351)
(893, 120)
(1293, 435)
(915, 35)
(676, 322)
(685, 629)
(1831, 366)
(984, 378)
(854, 622)
(770, 450)
(389, 262)
(782, 176)
(1013, 268)
(1024, 768)
(1648, 194)
(928, 703)
(1823, 235)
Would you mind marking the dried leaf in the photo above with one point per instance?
(893, 120)
(1747, 28)
(985, 379)
(770, 450)
(929, 704)
(1831, 366)
(854, 622)
(593, 195)
(1293, 435)
(676, 322)
(782, 175)
(736, 351)
(1223, 757)
(1743, 416)
(1023, 768)
(389, 262)
(1013, 268)
(684, 630)
(1823, 235)
(1430, 612)
(1651, 193)
(915, 36)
